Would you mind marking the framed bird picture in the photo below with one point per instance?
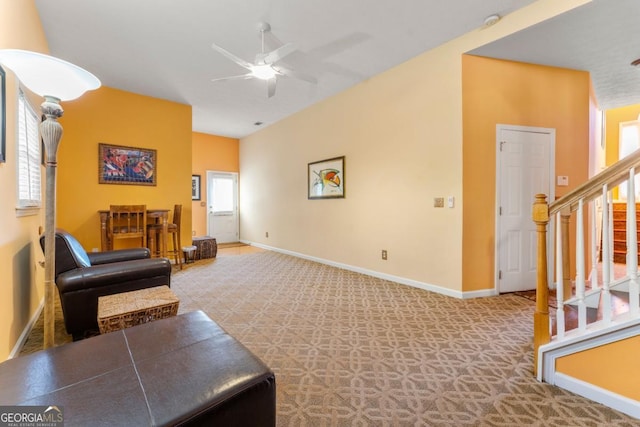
(326, 179)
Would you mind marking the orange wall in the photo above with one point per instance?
(210, 153)
(121, 118)
(586, 366)
(504, 92)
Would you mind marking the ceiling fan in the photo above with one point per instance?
(265, 66)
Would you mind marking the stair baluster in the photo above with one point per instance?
(559, 280)
(632, 244)
(607, 270)
(593, 276)
(580, 283)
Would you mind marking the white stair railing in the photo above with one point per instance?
(601, 285)
(597, 296)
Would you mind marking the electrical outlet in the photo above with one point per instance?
(266, 234)
(438, 202)
(384, 254)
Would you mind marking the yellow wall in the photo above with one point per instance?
(512, 93)
(121, 118)
(402, 135)
(613, 119)
(613, 367)
(21, 279)
(210, 153)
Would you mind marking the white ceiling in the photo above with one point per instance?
(162, 48)
(602, 37)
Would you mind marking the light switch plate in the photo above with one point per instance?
(451, 201)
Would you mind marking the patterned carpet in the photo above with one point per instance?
(352, 350)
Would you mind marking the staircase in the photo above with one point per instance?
(603, 308)
(620, 231)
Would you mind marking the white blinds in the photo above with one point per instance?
(29, 185)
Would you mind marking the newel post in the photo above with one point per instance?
(541, 334)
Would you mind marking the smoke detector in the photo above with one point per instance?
(491, 20)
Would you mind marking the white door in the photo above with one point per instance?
(222, 199)
(525, 167)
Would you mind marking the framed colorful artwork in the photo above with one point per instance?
(325, 179)
(126, 165)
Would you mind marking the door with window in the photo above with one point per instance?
(222, 209)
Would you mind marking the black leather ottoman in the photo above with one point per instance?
(183, 370)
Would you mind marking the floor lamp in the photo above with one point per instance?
(55, 80)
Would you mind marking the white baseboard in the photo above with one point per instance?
(26, 331)
(384, 276)
(613, 400)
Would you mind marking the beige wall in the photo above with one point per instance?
(21, 279)
(401, 133)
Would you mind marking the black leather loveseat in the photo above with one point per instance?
(82, 277)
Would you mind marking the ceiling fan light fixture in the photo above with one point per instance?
(264, 72)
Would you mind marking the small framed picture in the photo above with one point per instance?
(195, 187)
(325, 179)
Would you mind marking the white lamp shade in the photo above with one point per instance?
(47, 75)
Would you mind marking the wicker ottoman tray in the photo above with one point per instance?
(120, 311)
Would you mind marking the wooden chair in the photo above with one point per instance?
(173, 229)
(128, 222)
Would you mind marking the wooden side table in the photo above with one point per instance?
(120, 311)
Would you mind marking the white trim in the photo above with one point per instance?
(401, 280)
(29, 211)
(597, 394)
(26, 331)
(550, 196)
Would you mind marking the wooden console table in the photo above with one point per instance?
(155, 215)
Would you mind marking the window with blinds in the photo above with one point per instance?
(29, 174)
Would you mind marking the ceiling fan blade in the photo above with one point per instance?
(232, 57)
(296, 74)
(271, 87)
(277, 55)
(238, 77)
